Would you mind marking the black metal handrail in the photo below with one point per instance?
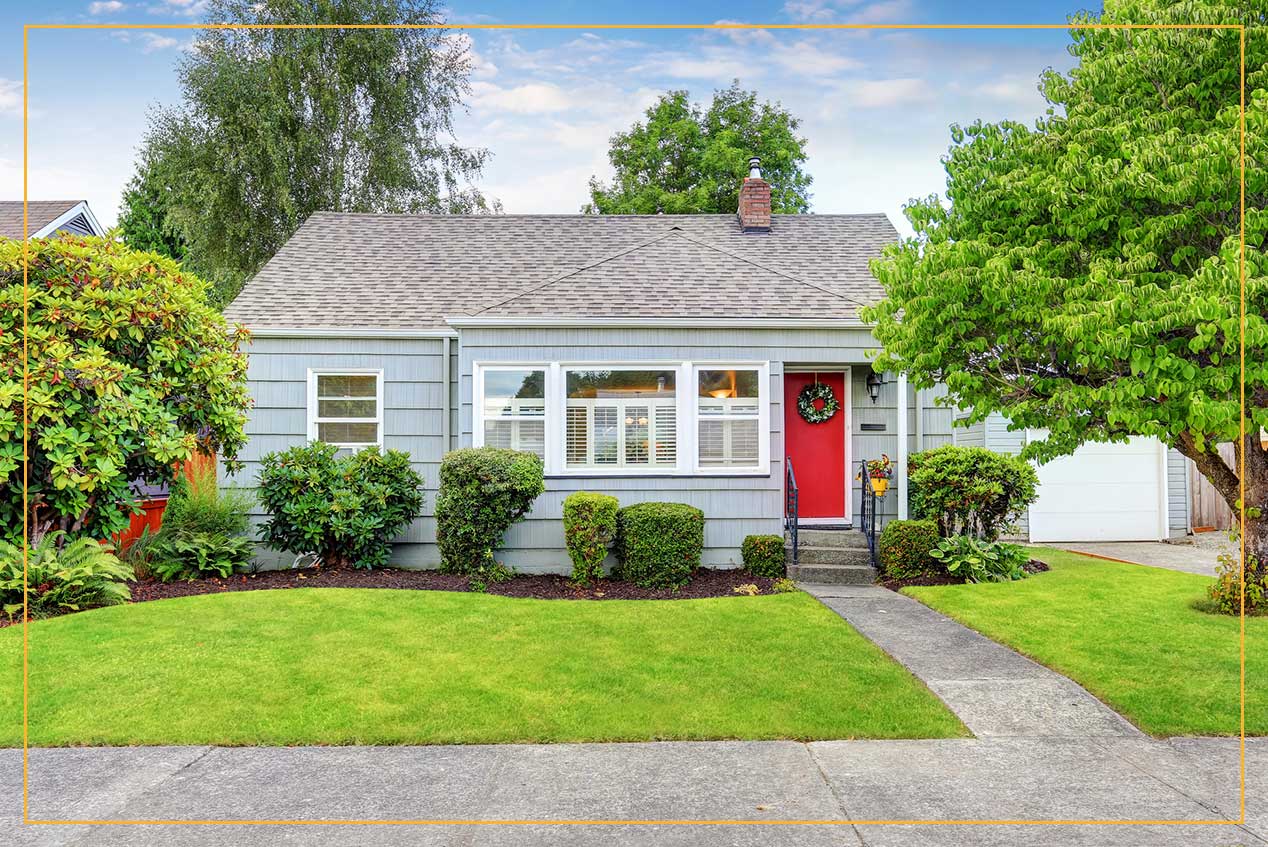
(790, 506)
(867, 509)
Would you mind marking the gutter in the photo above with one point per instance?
(546, 321)
(348, 332)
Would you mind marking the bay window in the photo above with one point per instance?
(658, 418)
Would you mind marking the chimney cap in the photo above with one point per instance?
(755, 167)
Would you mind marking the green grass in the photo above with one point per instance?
(1128, 634)
(357, 666)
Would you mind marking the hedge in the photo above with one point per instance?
(589, 527)
(659, 544)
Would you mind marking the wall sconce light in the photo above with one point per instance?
(874, 383)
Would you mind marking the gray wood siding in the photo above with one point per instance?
(413, 398)
(1177, 494)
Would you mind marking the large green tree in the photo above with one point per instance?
(128, 370)
(278, 123)
(1084, 273)
(686, 159)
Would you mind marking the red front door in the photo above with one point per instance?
(817, 450)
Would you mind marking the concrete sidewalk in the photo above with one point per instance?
(995, 691)
(992, 778)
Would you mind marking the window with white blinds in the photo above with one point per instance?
(728, 413)
(595, 419)
(513, 409)
(620, 418)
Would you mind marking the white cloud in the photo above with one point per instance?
(10, 97)
(152, 42)
(1011, 89)
(884, 12)
(881, 93)
(105, 7)
(527, 99)
(809, 59)
(717, 69)
(188, 8)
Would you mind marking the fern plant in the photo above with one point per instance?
(82, 574)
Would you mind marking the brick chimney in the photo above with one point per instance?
(754, 210)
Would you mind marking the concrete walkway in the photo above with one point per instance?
(995, 691)
(1111, 778)
(1199, 558)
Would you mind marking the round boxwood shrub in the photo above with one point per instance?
(763, 555)
(904, 548)
(589, 527)
(970, 490)
(346, 509)
(659, 544)
(483, 490)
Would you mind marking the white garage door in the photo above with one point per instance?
(1103, 492)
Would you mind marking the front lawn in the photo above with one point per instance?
(362, 666)
(1129, 635)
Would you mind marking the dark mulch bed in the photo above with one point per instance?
(706, 583)
(1033, 566)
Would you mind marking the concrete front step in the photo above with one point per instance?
(829, 555)
(828, 538)
(832, 574)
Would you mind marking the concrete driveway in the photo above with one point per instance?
(1199, 558)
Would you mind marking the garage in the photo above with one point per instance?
(1103, 492)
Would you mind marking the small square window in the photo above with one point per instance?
(345, 409)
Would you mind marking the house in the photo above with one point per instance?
(47, 217)
(651, 357)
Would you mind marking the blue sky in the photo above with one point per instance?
(875, 105)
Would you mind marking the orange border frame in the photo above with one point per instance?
(1239, 28)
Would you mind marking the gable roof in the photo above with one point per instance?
(371, 271)
(44, 217)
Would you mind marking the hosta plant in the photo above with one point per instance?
(975, 560)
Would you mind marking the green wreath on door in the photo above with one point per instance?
(806, 403)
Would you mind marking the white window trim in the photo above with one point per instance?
(313, 419)
(685, 390)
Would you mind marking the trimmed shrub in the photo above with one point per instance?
(483, 490)
(763, 555)
(345, 509)
(659, 544)
(83, 574)
(975, 560)
(970, 490)
(903, 549)
(589, 527)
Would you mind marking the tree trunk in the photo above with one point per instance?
(1251, 456)
(1255, 529)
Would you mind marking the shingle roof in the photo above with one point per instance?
(40, 213)
(413, 271)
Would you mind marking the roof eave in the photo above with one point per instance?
(479, 321)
